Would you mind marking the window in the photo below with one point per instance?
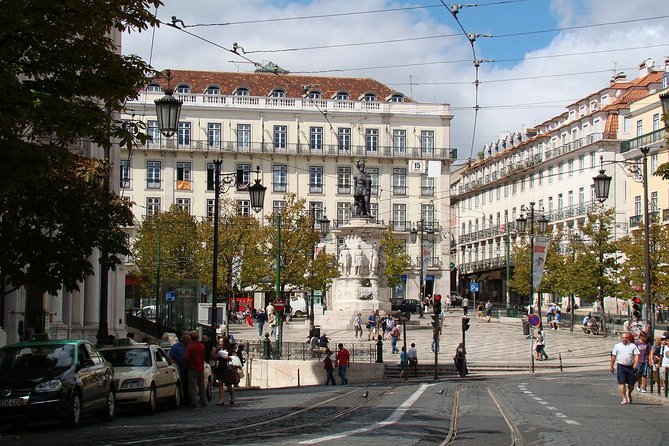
(514, 187)
(243, 136)
(314, 94)
(399, 216)
(656, 121)
(427, 214)
(550, 205)
(570, 199)
(597, 125)
(211, 173)
(498, 193)
(593, 159)
(280, 137)
(372, 140)
(183, 134)
(397, 98)
(490, 194)
(184, 204)
(316, 209)
(344, 139)
(522, 184)
(316, 179)
(399, 141)
(152, 206)
(570, 167)
(427, 186)
(374, 209)
(242, 91)
(183, 176)
(560, 170)
(639, 128)
(374, 176)
(153, 174)
(125, 173)
(277, 206)
(399, 181)
(369, 97)
(343, 212)
(341, 96)
(427, 142)
(246, 175)
(653, 164)
(581, 163)
(154, 88)
(637, 205)
(214, 134)
(560, 203)
(316, 138)
(541, 178)
(211, 207)
(182, 89)
(278, 93)
(506, 190)
(243, 208)
(343, 180)
(213, 90)
(154, 132)
(280, 177)
(653, 203)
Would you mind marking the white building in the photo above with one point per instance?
(306, 134)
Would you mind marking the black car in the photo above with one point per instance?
(406, 305)
(55, 380)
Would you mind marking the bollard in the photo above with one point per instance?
(560, 358)
(298, 377)
(666, 381)
(379, 350)
(266, 346)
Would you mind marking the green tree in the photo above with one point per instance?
(397, 259)
(520, 256)
(166, 243)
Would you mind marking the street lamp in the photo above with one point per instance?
(602, 183)
(521, 223)
(168, 109)
(425, 234)
(324, 228)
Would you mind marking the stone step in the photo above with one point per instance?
(424, 370)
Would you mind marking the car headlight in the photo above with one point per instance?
(133, 383)
(53, 385)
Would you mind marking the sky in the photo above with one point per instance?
(535, 56)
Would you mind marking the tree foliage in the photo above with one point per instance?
(397, 259)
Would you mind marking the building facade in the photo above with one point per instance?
(306, 134)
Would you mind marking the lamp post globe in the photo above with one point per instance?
(602, 183)
(257, 196)
(168, 109)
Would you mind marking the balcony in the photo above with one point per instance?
(654, 217)
(643, 140)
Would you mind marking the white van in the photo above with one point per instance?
(298, 305)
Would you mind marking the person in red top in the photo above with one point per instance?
(342, 363)
(194, 359)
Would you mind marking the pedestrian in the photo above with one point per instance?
(655, 357)
(313, 346)
(642, 370)
(177, 355)
(541, 344)
(664, 361)
(222, 363)
(328, 365)
(357, 326)
(403, 363)
(479, 312)
(460, 360)
(448, 304)
(249, 319)
(465, 305)
(194, 359)
(323, 340)
(131, 338)
(394, 336)
(488, 311)
(412, 356)
(261, 318)
(342, 363)
(625, 355)
(371, 326)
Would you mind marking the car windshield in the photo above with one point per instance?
(37, 357)
(128, 357)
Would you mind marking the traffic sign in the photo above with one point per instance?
(474, 287)
(279, 304)
(170, 296)
(534, 320)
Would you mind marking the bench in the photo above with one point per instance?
(590, 330)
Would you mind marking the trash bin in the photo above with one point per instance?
(316, 331)
(526, 327)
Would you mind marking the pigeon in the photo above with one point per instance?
(366, 394)
(441, 392)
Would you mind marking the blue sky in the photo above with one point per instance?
(512, 95)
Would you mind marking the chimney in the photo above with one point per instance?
(619, 77)
(646, 67)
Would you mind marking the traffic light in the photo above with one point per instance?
(465, 323)
(437, 304)
(636, 307)
(435, 321)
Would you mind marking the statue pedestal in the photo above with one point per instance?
(360, 287)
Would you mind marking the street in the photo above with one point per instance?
(547, 409)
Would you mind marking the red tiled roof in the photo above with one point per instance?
(262, 84)
(625, 99)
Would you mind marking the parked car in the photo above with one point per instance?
(208, 378)
(144, 375)
(409, 305)
(456, 299)
(55, 380)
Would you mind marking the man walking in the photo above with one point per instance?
(412, 355)
(394, 335)
(261, 318)
(194, 359)
(625, 355)
(357, 325)
(342, 363)
(465, 305)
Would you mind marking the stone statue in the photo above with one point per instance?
(362, 192)
(358, 260)
(345, 261)
(373, 261)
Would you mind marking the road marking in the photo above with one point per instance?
(560, 415)
(392, 419)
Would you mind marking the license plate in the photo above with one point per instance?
(12, 402)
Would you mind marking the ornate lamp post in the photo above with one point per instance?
(521, 223)
(425, 234)
(324, 228)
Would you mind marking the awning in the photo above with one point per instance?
(483, 277)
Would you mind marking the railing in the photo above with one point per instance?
(637, 220)
(643, 140)
(485, 264)
(299, 149)
(301, 351)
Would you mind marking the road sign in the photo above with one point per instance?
(474, 287)
(534, 320)
(170, 296)
(279, 304)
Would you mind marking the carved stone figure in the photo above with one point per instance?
(363, 189)
(345, 261)
(358, 260)
(373, 261)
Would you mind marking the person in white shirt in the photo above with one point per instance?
(625, 355)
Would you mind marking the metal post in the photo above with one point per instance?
(508, 269)
(406, 355)
(531, 260)
(158, 300)
(646, 234)
(422, 284)
(277, 287)
(214, 278)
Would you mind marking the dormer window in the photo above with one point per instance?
(369, 97)
(182, 89)
(154, 88)
(213, 90)
(242, 91)
(397, 98)
(314, 94)
(341, 96)
(278, 93)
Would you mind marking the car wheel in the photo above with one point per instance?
(73, 415)
(151, 404)
(210, 389)
(176, 399)
(110, 407)
(298, 313)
